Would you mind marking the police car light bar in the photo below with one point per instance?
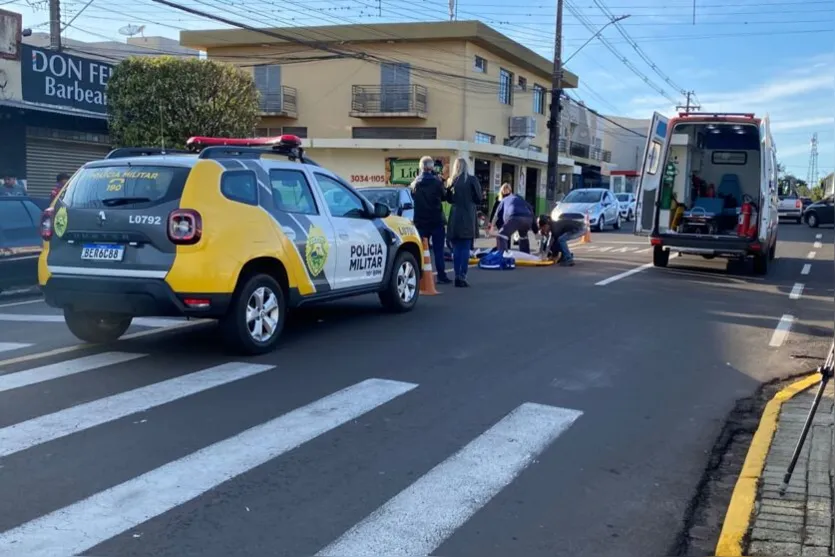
(199, 142)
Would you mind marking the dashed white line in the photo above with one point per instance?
(818, 236)
(817, 245)
(811, 255)
(644, 250)
(806, 268)
(623, 275)
(7, 346)
(781, 332)
(797, 290)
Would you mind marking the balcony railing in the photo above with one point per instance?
(583, 151)
(375, 101)
(280, 103)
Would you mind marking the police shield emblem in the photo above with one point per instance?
(60, 222)
(316, 250)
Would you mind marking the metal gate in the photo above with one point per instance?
(46, 158)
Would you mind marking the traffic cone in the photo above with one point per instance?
(427, 278)
(587, 234)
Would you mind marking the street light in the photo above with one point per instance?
(599, 31)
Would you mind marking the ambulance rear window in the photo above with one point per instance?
(125, 186)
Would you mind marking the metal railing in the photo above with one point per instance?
(284, 101)
(388, 99)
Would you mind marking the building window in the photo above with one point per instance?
(298, 131)
(393, 133)
(505, 87)
(538, 99)
(523, 83)
(481, 137)
(480, 64)
(268, 83)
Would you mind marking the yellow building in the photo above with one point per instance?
(370, 100)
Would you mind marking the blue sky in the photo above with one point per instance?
(765, 56)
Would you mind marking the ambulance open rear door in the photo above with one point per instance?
(646, 198)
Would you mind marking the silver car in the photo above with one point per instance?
(399, 200)
(599, 204)
(626, 202)
(790, 205)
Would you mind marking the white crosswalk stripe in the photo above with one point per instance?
(48, 318)
(415, 521)
(9, 346)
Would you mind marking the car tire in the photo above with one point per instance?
(96, 328)
(660, 256)
(772, 252)
(812, 220)
(259, 302)
(601, 223)
(617, 222)
(761, 264)
(401, 292)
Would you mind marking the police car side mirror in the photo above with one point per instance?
(381, 210)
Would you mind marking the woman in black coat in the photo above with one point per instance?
(464, 194)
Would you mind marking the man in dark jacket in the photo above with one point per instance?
(557, 235)
(428, 193)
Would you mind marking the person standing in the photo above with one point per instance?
(464, 193)
(517, 216)
(12, 187)
(428, 193)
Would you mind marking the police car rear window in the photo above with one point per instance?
(125, 186)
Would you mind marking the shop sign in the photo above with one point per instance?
(60, 79)
(368, 179)
(402, 172)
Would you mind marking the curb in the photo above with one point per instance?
(738, 518)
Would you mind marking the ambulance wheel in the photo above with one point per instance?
(660, 256)
(761, 264)
(96, 328)
(255, 318)
(402, 291)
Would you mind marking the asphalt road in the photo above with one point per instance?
(543, 411)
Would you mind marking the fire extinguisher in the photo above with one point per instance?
(746, 226)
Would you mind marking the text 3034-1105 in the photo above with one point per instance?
(365, 178)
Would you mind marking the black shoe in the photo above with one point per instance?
(464, 283)
(459, 283)
(444, 280)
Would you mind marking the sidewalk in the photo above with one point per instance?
(799, 522)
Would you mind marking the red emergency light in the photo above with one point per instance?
(199, 142)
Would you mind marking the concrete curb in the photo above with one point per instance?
(744, 497)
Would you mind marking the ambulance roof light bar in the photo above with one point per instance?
(749, 115)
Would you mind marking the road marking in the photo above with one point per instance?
(623, 275)
(25, 435)
(818, 236)
(811, 255)
(645, 250)
(63, 369)
(806, 268)
(422, 516)
(817, 245)
(602, 248)
(21, 303)
(45, 318)
(797, 290)
(781, 332)
(8, 346)
(625, 249)
(87, 523)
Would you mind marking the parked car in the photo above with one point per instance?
(626, 202)
(822, 212)
(398, 200)
(20, 242)
(599, 204)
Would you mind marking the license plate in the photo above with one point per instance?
(102, 252)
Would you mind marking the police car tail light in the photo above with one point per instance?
(47, 219)
(185, 226)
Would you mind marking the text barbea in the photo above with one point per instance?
(367, 257)
(73, 92)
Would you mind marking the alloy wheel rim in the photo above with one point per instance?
(406, 282)
(262, 314)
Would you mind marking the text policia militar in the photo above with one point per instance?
(368, 258)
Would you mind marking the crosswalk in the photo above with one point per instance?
(414, 521)
(614, 248)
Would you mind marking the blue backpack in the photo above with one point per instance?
(495, 260)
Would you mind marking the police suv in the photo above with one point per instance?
(237, 230)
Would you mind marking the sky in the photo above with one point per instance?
(772, 57)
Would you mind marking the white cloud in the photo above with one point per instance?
(803, 149)
(804, 123)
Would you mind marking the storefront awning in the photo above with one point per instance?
(22, 105)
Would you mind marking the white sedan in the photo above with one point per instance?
(626, 203)
(598, 204)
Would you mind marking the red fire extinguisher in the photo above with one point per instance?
(746, 226)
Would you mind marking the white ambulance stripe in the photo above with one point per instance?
(89, 522)
(421, 517)
(8, 346)
(25, 435)
(63, 369)
(42, 318)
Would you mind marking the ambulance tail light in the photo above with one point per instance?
(185, 226)
(47, 224)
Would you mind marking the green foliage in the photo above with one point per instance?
(817, 193)
(165, 100)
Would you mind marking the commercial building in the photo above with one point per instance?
(625, 139)
(53, 104)
(370, 100)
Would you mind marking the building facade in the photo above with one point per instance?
(625, 139)
(370, 100)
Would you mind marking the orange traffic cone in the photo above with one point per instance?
(427, 278)
(587, 234)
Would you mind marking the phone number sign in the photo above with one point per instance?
(368, 178)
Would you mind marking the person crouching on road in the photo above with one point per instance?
(557, 235)
(517, 215)
(464, 193)
(428, 193)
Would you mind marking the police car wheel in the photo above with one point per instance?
(403, 288)
(255, 318)
(96, 328)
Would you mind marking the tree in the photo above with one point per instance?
(163, 101)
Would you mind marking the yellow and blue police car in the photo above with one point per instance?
(237, 230)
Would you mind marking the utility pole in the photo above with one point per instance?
(554, 111)
(55, 24)
(688, 107)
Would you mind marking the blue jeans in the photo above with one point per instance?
(461, 257)
(437, 238)
(563, 243)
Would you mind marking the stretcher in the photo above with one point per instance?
(522, 259)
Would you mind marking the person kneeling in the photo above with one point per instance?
(557, 235)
